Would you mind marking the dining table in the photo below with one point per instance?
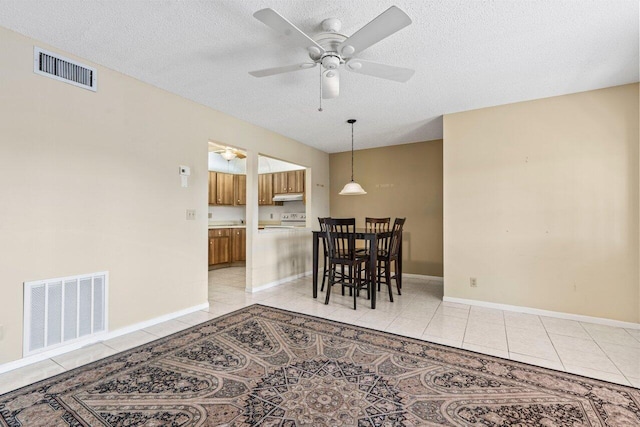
(371, 237)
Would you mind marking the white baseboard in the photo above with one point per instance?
(422, 276)
(97, 338)
(278, 282)
(548, 313)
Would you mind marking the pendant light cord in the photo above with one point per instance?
(352, 152)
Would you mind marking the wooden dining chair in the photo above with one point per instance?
(325, 264)
(388, 254)
(342, 255)
(349, 225)
(375, 225)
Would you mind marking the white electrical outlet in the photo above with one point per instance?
(473, 282)
(191, 214)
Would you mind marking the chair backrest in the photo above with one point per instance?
(377, 224)
(340, 238)
(323, 224)
(323, 230)
(398, 224)
(396, 237)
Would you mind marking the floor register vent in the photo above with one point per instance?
(64, 69)
(63, 311)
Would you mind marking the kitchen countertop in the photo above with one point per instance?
(261, 227)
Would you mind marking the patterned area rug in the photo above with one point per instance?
(261, 366)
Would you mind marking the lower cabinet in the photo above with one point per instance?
(219, 246)
(227, 246)
(238, 244)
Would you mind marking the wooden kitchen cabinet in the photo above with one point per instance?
(265, 189)
(212, 188)
(295, 181)
(280, 181)
(240, 190)
(219, 246)
(238, 244)
(224, 189)
(288, 182)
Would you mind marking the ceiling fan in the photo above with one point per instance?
(229, 153)
(332, 50)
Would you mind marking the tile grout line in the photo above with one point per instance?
(65, 369)
(466, 325)
(606, 355)
(564, 368)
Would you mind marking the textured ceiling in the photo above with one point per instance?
(467, 55)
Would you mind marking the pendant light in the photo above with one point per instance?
(352, 188)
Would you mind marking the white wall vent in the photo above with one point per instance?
(63, 311)
(64, 69)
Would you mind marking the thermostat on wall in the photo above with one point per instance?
(185, 172)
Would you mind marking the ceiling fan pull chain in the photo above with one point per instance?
(320, 109)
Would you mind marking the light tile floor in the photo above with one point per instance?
(592, 350)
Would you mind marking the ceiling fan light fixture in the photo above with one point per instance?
(352, 188)
(228, 155)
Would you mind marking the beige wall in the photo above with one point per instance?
(401, 181)
(541, 204)
(89, 182)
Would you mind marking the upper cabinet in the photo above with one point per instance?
(231, 190)
(240, 190)
(280, 183)
(265, 189)
(224, 189)
(296, 181)
(288, 182)
(212, 188)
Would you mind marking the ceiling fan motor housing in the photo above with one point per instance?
(330, 62)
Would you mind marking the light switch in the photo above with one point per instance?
(191, 214)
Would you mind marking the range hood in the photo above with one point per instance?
(289, 197)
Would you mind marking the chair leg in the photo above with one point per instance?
(368, 281)
(342, 276)
(387, 276)
(329, 285)
(325, 272)
(355, 282)
(397, 282)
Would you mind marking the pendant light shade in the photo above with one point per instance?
(352, 188)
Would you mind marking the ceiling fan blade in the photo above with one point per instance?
(279, 70)
(385, 24)
(273, 19)
(330, 84)
(383, 71)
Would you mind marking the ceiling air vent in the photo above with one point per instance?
(60, 68)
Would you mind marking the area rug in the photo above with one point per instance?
(262, 366)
